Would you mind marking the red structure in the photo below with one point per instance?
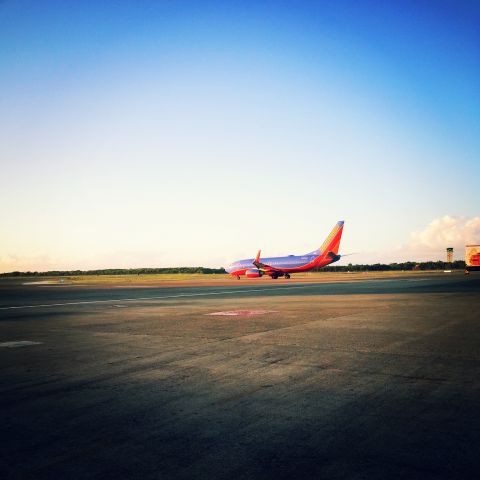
(472, 257)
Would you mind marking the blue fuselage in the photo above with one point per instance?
(291, 261)
(283, 266)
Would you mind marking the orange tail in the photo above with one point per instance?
(332, 243)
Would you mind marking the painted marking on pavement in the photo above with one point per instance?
(19, 343)
(241, 313)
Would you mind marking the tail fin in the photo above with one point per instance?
(332, 242)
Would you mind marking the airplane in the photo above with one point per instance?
(283, 266)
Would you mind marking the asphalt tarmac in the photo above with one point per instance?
(358, 379)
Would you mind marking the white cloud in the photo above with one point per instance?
(446, 232)
(429, 243)
(13, 262)
(115, 259)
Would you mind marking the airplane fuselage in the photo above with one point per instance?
(283, 266)
(289, 264)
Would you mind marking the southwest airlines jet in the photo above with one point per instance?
(283, 266)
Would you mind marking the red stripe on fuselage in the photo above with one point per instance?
(318, 262)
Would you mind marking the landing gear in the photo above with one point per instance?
(287, 275)
(238, 277)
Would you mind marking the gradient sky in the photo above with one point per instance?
(193, 133)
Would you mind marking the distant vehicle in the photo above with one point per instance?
(283, 266)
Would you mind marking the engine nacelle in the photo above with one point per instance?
(253, 273)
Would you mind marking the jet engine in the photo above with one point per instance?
(253, 273)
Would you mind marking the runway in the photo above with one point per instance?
(352, 379)
(37, 296)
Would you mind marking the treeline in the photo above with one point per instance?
(376, 267)
(116, 271)
(383, 267)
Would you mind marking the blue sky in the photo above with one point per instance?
(193, 133)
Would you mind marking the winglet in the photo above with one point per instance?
(257, 258)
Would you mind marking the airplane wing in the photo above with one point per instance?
(263, 266)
